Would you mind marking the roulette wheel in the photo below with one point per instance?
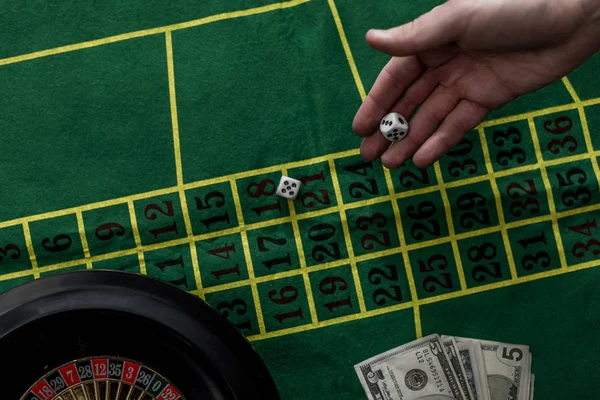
(110, 335)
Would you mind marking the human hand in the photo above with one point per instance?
(463, 59)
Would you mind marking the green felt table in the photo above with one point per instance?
(148, 137)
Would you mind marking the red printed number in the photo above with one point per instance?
(130, 371)
(560, 126)
(44, 391)
(169, 394)
(100, 368)
(580, 249)
(69, 374)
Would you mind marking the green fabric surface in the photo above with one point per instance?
(327, 362)
(264, 81)
(105, 165)
(38, 25)
(85, 126)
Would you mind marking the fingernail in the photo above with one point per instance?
(363, 149)
(384, 160)
(386, 155)
(375, 32)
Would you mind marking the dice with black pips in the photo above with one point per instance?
(394, 127)
(288, 187)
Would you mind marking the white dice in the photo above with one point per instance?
(288, 187)
(394, 127)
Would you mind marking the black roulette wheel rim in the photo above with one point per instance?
(85, 316)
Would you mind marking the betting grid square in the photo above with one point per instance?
(454, 239)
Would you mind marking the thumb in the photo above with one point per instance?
(438, 27)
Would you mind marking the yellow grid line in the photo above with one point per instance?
(84, 243)
(517, 170)
(571, 90)
(347, 51)
(299, 271)
(193, 251)
(538, 113)
(205, 236)
(421, 302)
(301, 256)
(363, 95)
(29, 243)
(174, 189)
(498, 202)
(180, 188)
(330, 322)
(518, 223)
(549, 194)
(93, 259)
(20, 274)
(407, 266)
(506, 283)
(136, 236)
(590, 154)
(431, 300)
(314, 160)
(347, 238)
(450, 223)
(173, 107)
(246, 173)
(305, 162)
(585, 128)
(251, 278)
(178, 163)
(152, 31)
(586, 133)
(429, 243)
(88, 207)
(252, 281)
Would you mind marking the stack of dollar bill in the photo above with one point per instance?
(449, 368)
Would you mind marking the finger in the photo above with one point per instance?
(438, 27)
(429, 117)
(372, 147)
(465, 117)
(375, 145)
(391, 83)
(416, 94)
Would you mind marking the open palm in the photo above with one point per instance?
(465, 58)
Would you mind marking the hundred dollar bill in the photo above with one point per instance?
(472, 359)
(508, 370)
(414, 371)
(459, 370)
